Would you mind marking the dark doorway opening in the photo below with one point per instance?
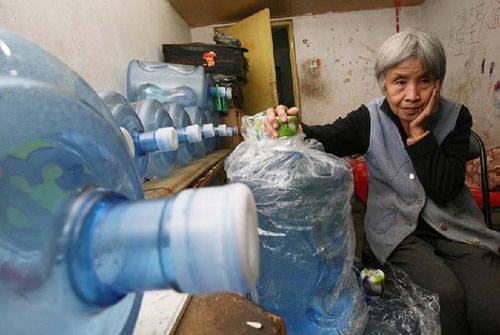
(284, 74)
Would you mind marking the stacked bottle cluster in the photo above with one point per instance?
(78, 243)
(189, 96)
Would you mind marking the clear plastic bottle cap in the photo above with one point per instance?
(193, 133)
(166, 139)
(214, 240)
(229, 131)
(129, 141)
(208, 130)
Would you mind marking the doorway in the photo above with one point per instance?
(284, 61)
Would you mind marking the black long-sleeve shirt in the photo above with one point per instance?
(440, 168)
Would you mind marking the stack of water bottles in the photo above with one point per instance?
(190, 98)
(78, 243)
(306, 233)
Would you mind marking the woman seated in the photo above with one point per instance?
(420, 215)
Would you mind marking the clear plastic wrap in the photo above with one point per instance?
(306, 234)
(404, 309)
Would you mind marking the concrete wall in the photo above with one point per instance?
(97, 38)
(335, 59)
(470, 32)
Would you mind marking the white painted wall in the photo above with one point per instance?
(470, 33)
(336, 57)
(97, 38)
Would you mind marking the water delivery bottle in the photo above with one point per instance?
(78, 244)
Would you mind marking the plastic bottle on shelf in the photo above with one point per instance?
(158, 141)
(189, 134)
(154, 116)
(78, 244)
(167, 77)
(182, 95)
(208, 130)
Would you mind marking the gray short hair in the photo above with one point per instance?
(408, 44)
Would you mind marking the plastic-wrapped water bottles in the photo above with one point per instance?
(305, 231)
(189, 134)
(154, 116)
(77, 242)
(207, 130)
(167, 77)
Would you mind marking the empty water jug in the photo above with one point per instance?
(77, 242)
(167, 77)
(154, 116)
(141, 143)
(182, 95)
(207, 131)
(189, 134)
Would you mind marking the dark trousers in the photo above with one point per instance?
(466, 278)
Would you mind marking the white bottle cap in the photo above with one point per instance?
(229, 93)
(221, 129)
(129, 141)
(166, 139)
(208, 130)
(229, 131)
(213, 239)
(193, 133)
(235, 130)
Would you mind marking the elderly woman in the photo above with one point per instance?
(420, 215)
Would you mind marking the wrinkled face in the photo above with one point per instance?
(408, 88)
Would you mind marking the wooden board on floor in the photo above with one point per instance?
(227, 313)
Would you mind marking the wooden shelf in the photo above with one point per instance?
(182, 177)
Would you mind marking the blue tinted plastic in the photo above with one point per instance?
(73, 228)
(50, 122)
(181, 121)
(167, 77)
(183, 95)
(126, 117)
(306, 234)
(153, 115)
(197, 117)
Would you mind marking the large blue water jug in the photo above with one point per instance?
(77, 242)
(189, 134)
(167, 77)
(207, 130)
(153, 117)
(306, 233)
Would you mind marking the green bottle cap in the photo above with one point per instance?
(289, 128)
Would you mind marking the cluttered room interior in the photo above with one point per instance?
(206, 167)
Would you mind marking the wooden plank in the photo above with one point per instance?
(227, 313)
(182, 177)
(160, 312)
(254, 32)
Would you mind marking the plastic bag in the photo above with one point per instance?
(306, 234)
(404, 309)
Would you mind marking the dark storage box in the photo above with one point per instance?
(222, 59)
